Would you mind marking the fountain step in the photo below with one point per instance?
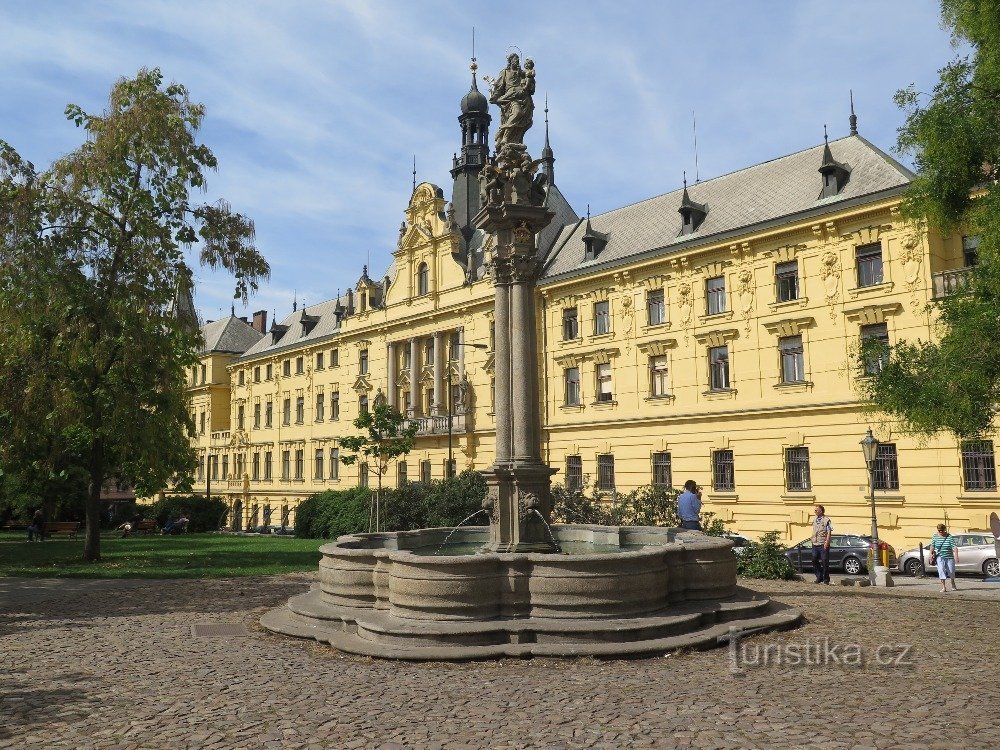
(375, 633)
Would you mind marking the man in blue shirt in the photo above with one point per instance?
(689, 506)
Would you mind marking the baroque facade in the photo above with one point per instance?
(709, 333)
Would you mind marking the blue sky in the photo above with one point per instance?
(315, 109)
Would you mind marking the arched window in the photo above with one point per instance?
(423, 279)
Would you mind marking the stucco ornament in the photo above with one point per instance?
(830, 274)
(628, 318)
(685, 306)
(745, 290)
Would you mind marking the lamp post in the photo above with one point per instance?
(878, 574)
(448, 470)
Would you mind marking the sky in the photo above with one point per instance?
(316, 109)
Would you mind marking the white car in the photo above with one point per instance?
(974, 553)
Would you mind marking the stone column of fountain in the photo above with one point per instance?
(512, 196)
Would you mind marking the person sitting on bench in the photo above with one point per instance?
(176, 527)
(37, 526)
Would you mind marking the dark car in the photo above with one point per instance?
(848, 552)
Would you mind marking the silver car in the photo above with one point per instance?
(974, 553)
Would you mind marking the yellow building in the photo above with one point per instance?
(709, 333)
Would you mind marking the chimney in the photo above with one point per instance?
(260, 321)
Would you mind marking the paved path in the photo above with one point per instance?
(109, 664)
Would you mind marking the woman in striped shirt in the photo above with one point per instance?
(945, 553)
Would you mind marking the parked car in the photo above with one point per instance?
(975, 553)
(739, 541)
(848, 552)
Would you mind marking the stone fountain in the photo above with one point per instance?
(521, 587)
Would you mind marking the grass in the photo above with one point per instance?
(154, 556)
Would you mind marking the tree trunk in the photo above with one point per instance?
(92, 533)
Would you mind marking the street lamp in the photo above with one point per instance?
(869, 447)
(448, 470)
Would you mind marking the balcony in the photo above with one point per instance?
(949, 282)
(439, 425)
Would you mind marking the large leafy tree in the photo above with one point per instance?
(92, 257)
(953, 134)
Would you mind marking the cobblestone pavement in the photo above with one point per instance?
(113, 664)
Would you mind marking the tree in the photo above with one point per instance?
(953, 383)
(388, 435)
(92, 258)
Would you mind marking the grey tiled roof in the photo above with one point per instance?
(739, 200)
(556, 202)
(228, 335)
(326, 326)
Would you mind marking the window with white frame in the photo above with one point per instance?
(334, 463)
(602, 317)
(869, 262)
(786, 281)
(655, 307)
(571, 327)
(718, 368)
(604, 389)
(793, 366)
(320, 406)
(571, 378)
(318, 460)
(423, 279)
(658, 387)
(715, 295)
(879, 334)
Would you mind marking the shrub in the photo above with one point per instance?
(203, 514)
(333, 513)
(765, 559)
(644, 506)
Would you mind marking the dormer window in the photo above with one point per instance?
(423, 280)
(692, 214)
(593, 243)
(364, 301)
(835, 175)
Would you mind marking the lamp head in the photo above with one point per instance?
(869, 446)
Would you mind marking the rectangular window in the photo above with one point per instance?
(869, 260)
(240, 416)
(318, 469)
(400, 473)
(571, 328)
(335, 358)
(449, 469)
(203, 423)
(319, 360)
(886, 467)
(970, 251)
(225, 466)
(268, 413)
(363, 405)
(300, 409)
(204, 374)
(658, 377)
(574, 473)
(797, 469)
(363, 362)
(267, 464)
(405, 358)
(334, 463)
(300, 365)
(602, 318)
(604, 391)
(201, 468)
(655, 307)
(255, 467)
(662, 475)
(425, 472)
(299, 463)
(793, 367)
(256, 415)
(362, 475)
(286, 465)
(718, 368)
(606, 472)
(786, 281)
(429, 351)
(715, 295)
(979, 468)
(723, 471)
(335, 405)
(269, 371)
(286, 367)
(454, 350)
(215, 467)
(319, 407)
(239, 378)
(876, 332)
(256, 374)
(286, 412)
(571, 377)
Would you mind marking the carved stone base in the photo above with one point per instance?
(520, 506)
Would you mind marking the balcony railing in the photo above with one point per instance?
(949, 282)
(438, 425)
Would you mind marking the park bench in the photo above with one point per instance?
(144, 527)
(15, 526)
(62, 527)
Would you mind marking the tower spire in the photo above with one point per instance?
(854, 117)
(548, 158)
(474, 121)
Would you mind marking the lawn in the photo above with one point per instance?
(154, 556)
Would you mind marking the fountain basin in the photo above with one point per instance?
(389, 595)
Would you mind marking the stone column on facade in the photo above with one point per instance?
(440, 404)
(501, 355)
(414, 405)
(393, 374)
(524, 408)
